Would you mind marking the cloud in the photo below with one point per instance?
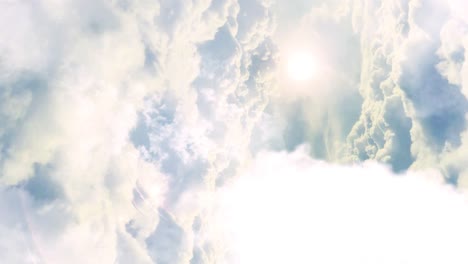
(121, 121)
(110, 111)
(411, 53)
(289, 208)
(321, 111)
(394, 89)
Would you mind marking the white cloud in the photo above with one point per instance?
(395, 90)
(120, 119)
(289, 208)
(78, 80)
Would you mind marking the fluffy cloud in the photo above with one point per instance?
(112, 110)
(423, 106)
(289, 208)
(391, 88)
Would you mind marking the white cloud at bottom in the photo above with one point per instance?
(289, 208)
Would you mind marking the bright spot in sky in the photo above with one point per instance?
(301, 66)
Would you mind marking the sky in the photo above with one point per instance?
(234, 131)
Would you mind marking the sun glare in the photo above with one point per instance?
(301, 66)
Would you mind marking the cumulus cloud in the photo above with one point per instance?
(289, 208)
(422, 105)
(111, 110)
(393, 89)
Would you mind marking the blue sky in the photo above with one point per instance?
(233, 131)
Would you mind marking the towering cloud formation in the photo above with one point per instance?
(111, 110)
(408, 79)
(409, 71)
(415, 73)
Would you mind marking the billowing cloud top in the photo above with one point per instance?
(168, 131)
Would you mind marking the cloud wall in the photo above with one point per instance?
(111, 111)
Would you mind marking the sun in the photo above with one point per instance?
(301, 66)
